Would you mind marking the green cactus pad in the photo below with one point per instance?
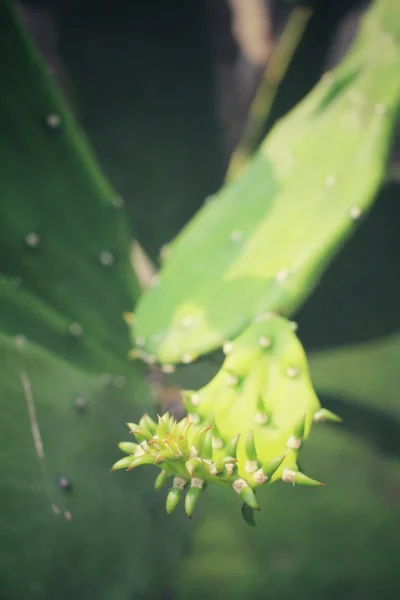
(264, 240)
(244, 429)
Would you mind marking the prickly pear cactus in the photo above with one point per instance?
(244, 429)
(264, 240)
(261, 245)
(68, 527)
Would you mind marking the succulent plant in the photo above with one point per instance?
(259, 247)
(66, 384)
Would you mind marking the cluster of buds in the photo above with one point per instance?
(244, 429)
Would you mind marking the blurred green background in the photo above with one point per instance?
(162, 91)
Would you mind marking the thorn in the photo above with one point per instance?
(122, 463)
(231, 448)
(272, 466)
(248, 515)
(207, 453)
(145, 459)
(326, 415)
(161, 480)
(192, 465)
(250, 448)
(128, 447)
(192, 496)
(174, 495)
(245, 492)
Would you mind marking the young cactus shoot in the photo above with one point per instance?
(243, 430)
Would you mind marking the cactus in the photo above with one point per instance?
(68, 527)
(259, 248)
(263, 242)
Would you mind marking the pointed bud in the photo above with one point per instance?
(165, 455)
(221, 463)
(231, 448)
(123, 463)
(128, 447)
(199, 438)
(302, 479)
(248, 515)
(251, 452)
(145, 459)
(192, 496)
(291, 476)
(192, 465)
(326, 415)
(272, 466)
(174, 495)
(245, 492)
(161, 479)
(142, 435)
(147, 422)
(207, 453)
(162, 428)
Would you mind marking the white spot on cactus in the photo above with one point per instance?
(106, 258)
(194, 417)
(319, 416)
(261, 418)
(213, 469)
(118, 201)
(380, 109)
(251, 466)
(179, 483)
(232, 379)
(53, 120)
(20, 341)
(292, 372)
(264, 341)
(239, 484)
(140, 341)
(168, 368)
(209, 199)
(119, 381)
(67, 515)
(56, 509)
(195, 399)
(282, 275)
(289, 476)
(294, 443)
(75, 329)
(265, 316)
(105, 378)
(237, 236)
(330, 181)
(217, 443)
(187, 321)
(32, 239)
(355, 212)
(80, 402)
(293, 325)
(187, 359)
(227, 347)
(259, 477)
(197, 482)
(229, 468)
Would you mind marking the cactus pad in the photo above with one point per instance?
(263, 242)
